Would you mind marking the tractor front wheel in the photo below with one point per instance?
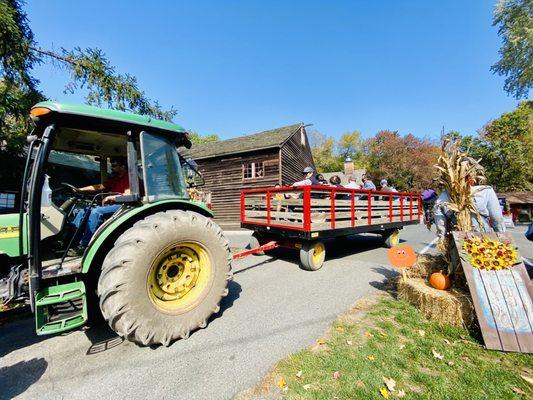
(165, 277)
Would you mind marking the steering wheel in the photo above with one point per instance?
(72, 188)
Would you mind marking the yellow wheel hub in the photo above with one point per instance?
(179, 277)
(395, 237)
(319, 252)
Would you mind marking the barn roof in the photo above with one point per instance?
(256, 141)
(518, 197)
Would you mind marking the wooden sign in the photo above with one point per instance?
(501, 295)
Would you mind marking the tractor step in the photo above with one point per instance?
(60, 308)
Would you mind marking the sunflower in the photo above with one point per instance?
(477, 262)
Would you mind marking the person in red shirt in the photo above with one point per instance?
(118, 183)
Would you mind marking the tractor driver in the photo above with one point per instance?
(118, 183)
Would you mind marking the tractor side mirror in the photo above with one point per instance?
(193, 177)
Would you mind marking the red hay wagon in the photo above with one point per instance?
(303, 217)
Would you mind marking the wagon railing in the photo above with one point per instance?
(313, 208)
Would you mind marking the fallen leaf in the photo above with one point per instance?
(390, 383)
(339, 329)
(307, 387)
(349, 342)
(299, 374)
(382, 333)
(437, 355)
(384, 392)
(400, 393)
(447, 342)
(320, 341)
(518, 391)
(368, 334)
(422, 332)
(450, 363)
(336, 375)
(402, 346)
(528, 379)
(360, 384)
(371, 358)
(282, 383)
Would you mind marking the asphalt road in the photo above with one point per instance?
(273, 309)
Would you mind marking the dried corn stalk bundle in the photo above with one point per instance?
(454, 171)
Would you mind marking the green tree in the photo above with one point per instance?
(324, 155)
(195, 137)
(351, 145)
(506, 147)
(514, 19)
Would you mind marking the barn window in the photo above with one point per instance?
(253, 170)
(302, 137)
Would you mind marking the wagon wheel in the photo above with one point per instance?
(312, 255)
(255, 241)
(391, 237)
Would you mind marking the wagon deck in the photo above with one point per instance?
(310, 212)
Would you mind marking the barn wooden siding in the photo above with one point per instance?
(285, 152)
(223, 178)
(295, 156)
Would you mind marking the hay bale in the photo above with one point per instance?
(446, 307)
(426, 264)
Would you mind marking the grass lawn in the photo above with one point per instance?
(390, 339)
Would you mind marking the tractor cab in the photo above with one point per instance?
(54, 212)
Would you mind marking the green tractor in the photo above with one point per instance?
(158, 267)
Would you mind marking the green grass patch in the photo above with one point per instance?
(393, 340)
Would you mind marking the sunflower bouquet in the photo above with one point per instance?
(490, 254)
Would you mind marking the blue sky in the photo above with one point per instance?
(236, 67)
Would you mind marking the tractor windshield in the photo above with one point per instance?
(163, 177)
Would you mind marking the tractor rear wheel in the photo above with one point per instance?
(164, 277)
(312, 255)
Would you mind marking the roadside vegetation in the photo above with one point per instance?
(386, 349)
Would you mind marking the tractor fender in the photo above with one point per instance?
(99, 247)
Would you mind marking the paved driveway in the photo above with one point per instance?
(273, 309)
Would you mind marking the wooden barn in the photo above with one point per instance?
(251, 161)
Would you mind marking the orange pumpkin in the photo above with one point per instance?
(440, 281)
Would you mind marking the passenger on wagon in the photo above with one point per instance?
(309, 178)
(352, 183)
(367, 183)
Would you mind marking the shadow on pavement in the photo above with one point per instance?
(102, 338)
(18, 334)
(17, 378)
(227, 302)
(385, 284)
(268, 261)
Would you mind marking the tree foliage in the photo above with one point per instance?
(514, 19)
(505, 147)
(195, 137)
(405, 161)
(329, 154)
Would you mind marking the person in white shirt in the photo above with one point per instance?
(352, 183)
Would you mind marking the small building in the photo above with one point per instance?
(264, 159)
(520, 205)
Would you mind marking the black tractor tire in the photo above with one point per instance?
(124, 284)
(312, 255)
(254, 243)
(391, 238)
